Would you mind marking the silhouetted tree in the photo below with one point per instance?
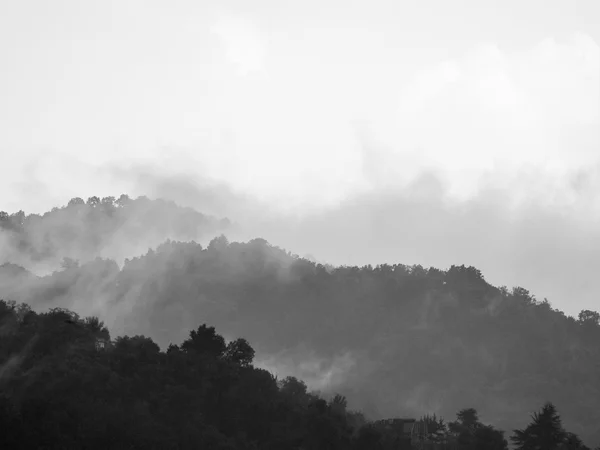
(589, 316)
(437, 429)
(204, 341)
(131, 395)
(545, 431)
(240, 352)
(471, 434)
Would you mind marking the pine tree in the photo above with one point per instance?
(544, 432)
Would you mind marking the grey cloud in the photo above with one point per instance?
(550, 251)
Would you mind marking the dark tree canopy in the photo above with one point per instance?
(546, 431)
(204, 341)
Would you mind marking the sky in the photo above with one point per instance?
(427, 132)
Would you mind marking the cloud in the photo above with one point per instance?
(318, 372)
(323, 130)
(244, 43)
(496, 111)
(324, 126)
(488, 159)
(532, 243)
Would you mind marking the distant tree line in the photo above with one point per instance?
(85, 229)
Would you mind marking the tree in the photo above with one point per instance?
(471, 434)
(219, 243)
(486, 437)
(18, 219)
(437, 429)
(76, 201)
(96, 327)
(572, 442)
(544, 432)
(295, 390)
(468, 418)
(523, 294)
(108, 201)
(93, 201)
(338, 405)
(587, 317)
(173, 349)
(132, 353)
(239, 352)
(123, 201)
(204, 341)
(369, 438)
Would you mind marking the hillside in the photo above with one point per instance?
(395, 340)
(64, 383)
(108, 227)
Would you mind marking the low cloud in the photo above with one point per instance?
(244, 43)
(320, 373)
(530, 242)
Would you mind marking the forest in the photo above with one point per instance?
(372, 343)
(109, 227)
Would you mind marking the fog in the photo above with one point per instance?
(350, 135)
(535, 243)
(471, 140)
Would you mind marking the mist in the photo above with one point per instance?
(312, 138)
(532, 241)
(357, 145)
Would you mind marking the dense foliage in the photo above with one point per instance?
(65, 385)
(394, 340)
(60, 389)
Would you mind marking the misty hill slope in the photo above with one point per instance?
(107, 227)
(396, 340)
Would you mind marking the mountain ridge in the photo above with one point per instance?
(434, 340)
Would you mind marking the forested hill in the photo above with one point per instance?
(107, 227)
(65, 384)
(396, 340)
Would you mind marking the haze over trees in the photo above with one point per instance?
(391, 340)
(108, 227)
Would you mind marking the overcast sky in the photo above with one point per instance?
(485, 113)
